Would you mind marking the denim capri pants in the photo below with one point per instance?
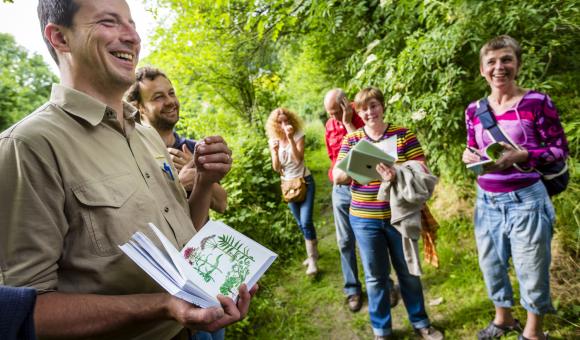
(519, 225)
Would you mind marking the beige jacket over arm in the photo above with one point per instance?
(407, 195)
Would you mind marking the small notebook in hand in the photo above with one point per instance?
(217, 260)
(490, 154)
(360, 163)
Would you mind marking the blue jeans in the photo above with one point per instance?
(220, 334)
(345, 238)
(516, 224)
(376, 240)
(302, 211)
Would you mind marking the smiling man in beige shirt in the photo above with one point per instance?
(79, 177)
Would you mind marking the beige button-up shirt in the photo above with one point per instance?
(75, 184)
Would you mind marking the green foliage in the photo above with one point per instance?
(314, 136)
(568, 213)
(227, 52)
(305, 83)
(25, 81)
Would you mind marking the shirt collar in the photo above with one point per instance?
(84, 106)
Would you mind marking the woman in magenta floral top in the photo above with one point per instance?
(514, 215)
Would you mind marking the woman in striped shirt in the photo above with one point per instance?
(370, 220)
(514, 215)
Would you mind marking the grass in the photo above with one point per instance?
(290, 305)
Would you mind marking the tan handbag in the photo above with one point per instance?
(293, 190)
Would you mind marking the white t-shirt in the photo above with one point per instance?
(289, 165)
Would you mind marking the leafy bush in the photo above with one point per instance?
(25, 81)
(314, 134)
(567, 227)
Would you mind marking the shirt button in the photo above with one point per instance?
(166, 209)
(147, 175)
(110, 113)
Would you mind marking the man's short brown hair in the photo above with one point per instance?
(133, 94)
(59, 12)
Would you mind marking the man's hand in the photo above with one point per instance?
(180, 157)
(187, 176)
(212, 159)
(212, 319)
(347, 111)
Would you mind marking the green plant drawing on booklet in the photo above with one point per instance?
(205, 259)
(217, 260)
(201, 260)
(490, 154)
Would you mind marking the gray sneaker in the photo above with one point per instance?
(429, 333)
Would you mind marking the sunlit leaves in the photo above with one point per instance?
(25, 81)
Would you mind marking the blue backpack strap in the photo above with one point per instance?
(485, 116)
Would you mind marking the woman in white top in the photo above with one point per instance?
(286, 141)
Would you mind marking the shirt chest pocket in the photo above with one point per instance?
(109, 210)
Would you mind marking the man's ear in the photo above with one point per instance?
(142, 116)
(55, 35)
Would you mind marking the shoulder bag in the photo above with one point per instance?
(294, 189)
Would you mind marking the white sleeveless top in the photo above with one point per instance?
(289, 165)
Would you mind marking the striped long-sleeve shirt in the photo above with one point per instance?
(364, 202)
(532, 123)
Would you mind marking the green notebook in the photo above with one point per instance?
(490, 154)
(361, 161)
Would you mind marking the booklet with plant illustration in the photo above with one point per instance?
(360, 163)
(217, 260)
(491, 153)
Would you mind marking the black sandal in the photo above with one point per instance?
(493, 331)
